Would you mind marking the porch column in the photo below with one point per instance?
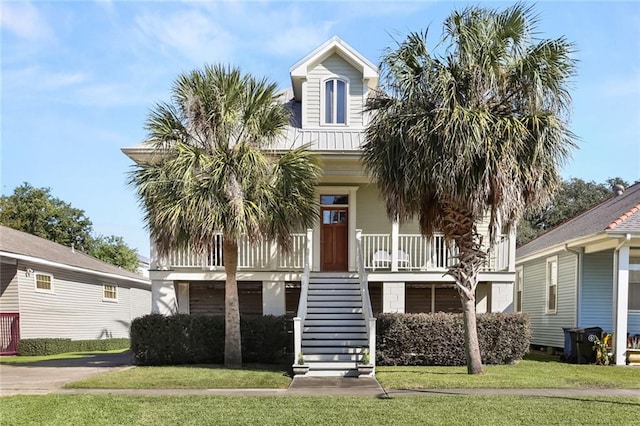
(620, 304)
(393, 297)
(511, 254)
(395, 232)
(163, 298)
(273, 298)
(183, 297)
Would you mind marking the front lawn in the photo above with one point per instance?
(190, 377)
(228, 410)
(527, 373)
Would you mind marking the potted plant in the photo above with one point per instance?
(633, 350)
(300, 368)
(364, 366)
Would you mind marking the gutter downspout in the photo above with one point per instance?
(579, 261)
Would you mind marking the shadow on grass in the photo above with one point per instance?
(88, 359)
(595, 399)
(419, 371)
(284, 369)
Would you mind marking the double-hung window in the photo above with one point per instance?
(634, 285)
(518, 290)
(109, 292)
(552, 285)
(335, 101)
(44, 282)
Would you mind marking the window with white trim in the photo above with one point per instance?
(634, 287)
(517, 302)
(552, 285)
(109, 292)
(335, 101)
(43, 282)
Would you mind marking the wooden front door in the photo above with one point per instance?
(334, 239)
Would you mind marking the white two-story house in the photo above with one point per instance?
(355, 262)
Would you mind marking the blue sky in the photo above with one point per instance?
(78, 79)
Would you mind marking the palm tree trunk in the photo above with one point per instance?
(232, 341)
(460, 227)
(471, 344)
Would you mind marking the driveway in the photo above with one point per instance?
(48, 376)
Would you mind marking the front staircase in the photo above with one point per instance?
(334, 331)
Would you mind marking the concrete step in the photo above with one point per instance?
(334, 323)
(334, 292)
(331, 350)
(317, 329)
(331, 304)
(333, 336)
(336, 365)
(309, 358)
(352, 343)
(334, 311)
(333, 316)
(324, 297)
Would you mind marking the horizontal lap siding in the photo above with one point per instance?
(9, 301)
(596, 295)
(371, 215)
(333, 66)
(547, 328)
(75, 310)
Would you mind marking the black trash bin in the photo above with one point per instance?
(585, 339)
(570, 352)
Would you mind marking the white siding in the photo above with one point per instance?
(9, 301)
(140, 302)
(75, 309)
(547, 328)
(334, 66)
(596, 295)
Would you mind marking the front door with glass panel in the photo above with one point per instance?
(334, 233)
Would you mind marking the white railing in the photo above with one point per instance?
(418, 253)
(262, 255)
(370, 320)
(298, 321)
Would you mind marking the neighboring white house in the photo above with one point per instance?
(49, 290)
(353, 250)
(585, 273)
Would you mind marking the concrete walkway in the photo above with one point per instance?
(50, 376)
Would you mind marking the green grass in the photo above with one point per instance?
(190, 377)
(227, 410)
(529, 373)
(18, 359)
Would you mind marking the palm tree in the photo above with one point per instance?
(210, 173)
(479, 130)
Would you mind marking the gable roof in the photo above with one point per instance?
(617, 214)
(23, 246)
(338, 46)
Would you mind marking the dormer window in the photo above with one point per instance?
(335, 101)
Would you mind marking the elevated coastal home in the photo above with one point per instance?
(355, 262)
(49, 290)
(585, 273)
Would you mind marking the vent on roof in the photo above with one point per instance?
(618, 189)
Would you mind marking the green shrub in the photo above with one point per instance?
(438, 339)
(52, 346)
(196, 339)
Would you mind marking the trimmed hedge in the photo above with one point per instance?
(197, 339)
(438, 339)
(47, 346)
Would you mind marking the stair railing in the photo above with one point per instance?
(298, 321)
(370, 320)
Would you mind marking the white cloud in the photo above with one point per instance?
(191, 33)
(24, 20)
(36, 78)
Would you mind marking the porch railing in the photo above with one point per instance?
(370, 320)
(9, 333)
(419, 253)
(298, 321)
(263, 255)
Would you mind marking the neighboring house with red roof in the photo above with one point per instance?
(584, 273)
(50, 290)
